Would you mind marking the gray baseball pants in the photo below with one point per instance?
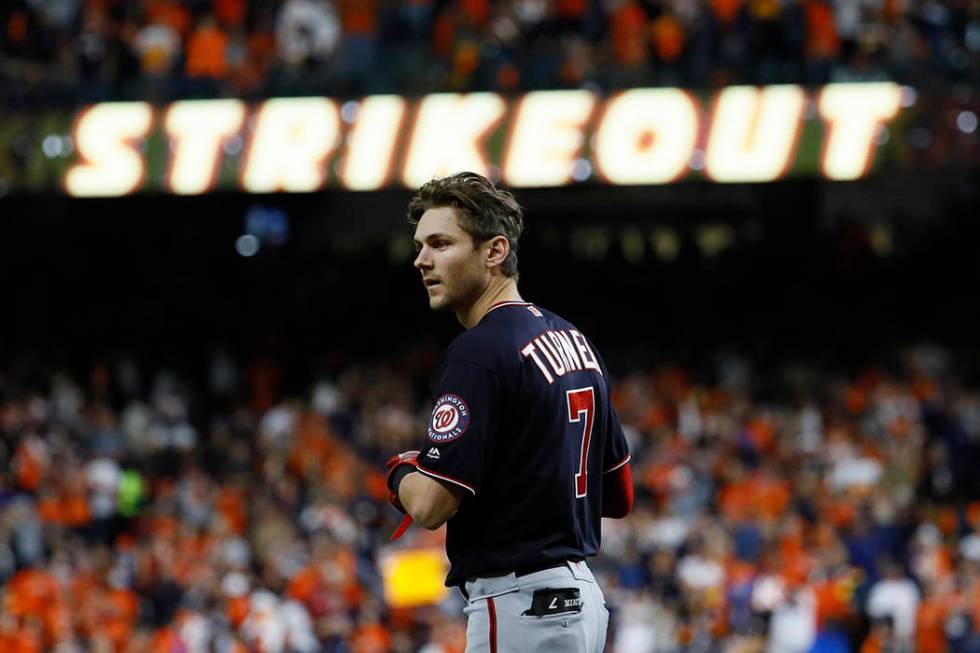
(522, 614)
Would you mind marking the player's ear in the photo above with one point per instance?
(498, 252)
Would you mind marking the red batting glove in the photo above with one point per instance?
(395, 474)
(402, 527)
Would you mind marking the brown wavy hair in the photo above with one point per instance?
(484, 211)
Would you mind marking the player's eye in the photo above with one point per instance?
(442, 244)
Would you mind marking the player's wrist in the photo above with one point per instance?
(398, 475)
(399, 466)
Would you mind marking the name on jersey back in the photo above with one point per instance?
(558, 352)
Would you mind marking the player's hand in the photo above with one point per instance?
(396, 471)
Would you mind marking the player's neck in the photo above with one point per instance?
(500, 289)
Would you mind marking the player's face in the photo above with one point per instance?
(452, 267)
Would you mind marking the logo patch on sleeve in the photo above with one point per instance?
(450, 419)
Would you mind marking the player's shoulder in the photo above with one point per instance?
(522, 318)
(514, 322)
(478, 343)
(504, 326)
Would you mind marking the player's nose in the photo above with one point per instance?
(422, 259)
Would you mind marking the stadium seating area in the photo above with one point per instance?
(824, 511)
(782, 506)
(73, 51)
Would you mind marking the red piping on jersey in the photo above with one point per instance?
(508, 303)
(617, 493)
(492, 612)
(442, 477)
(619, 464)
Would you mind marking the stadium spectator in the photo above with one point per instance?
(132, 518)
(158, 45)
(895, 599)
(354, 46)
(207, 51)
(306, 31)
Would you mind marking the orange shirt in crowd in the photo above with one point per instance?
(947, 519)
(114, 615)
(23, 639)
(478, 11)
(17, 27)
(839, 511)
(261, 53)
(770, 496)
(206, 52)
(930, 624)
(833, 599)
(765, 9)
(572, 9)
(571, 72)
(76, 511)
(263, 377)
(230, 504)
(337, 477)
(30, 590)
(304, 585)
(466, 58)
(236, 609)
(762, 434)
(508, 77)
(35, 601)
(627, 29)
(735, 501)
(856, 400)
(657, 479)
(756, 496)
(30, 462)
(973, 514)
(668, 37)
(660, 415)
(873, 643)
(166, 640)
(726, 11)
(229, 12)
(371, 638)
(172, 14)
(313, 445)
(68, 511)
(359, 17)
(795, 560)
(444, 35)
(893, 10)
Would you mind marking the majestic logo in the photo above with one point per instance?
(450, 418)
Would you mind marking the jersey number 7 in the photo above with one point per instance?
(581, 403)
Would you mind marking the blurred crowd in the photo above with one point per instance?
(800, 509)
(87, 50)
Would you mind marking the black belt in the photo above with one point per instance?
(547, 565)
(526, 571)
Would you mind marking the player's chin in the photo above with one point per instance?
(438, 303)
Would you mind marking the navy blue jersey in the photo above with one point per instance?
(523, 423)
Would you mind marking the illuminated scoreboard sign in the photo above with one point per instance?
(541, 139)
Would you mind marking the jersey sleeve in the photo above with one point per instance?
(463, 420)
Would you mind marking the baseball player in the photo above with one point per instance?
(524, 452)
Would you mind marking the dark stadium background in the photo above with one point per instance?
(834, 273)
